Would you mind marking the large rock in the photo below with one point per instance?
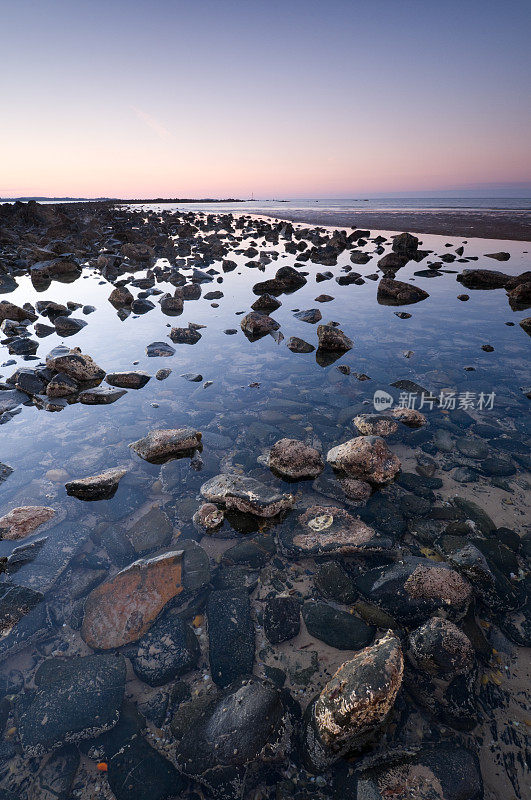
(443, 772)
(333, 339)
(77, 698)
(230, 635)
(75, 364)
(335, 627)
(122, 609)
(161, 445)
(353, 704)
(295, 460)
(16, 313)
(20, 522)
(135, 379)
(121, 296)
(483, 279)
(65, 268)
(416, 589)
(405, 244)
(246, 494)
(167, 650)
(399, 293)
(235, 738)
(151, 530)
(327, 530)
(96, 487)
(367, 458)
(256, 324)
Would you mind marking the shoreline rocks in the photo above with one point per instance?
(294, 460)
(367, 458)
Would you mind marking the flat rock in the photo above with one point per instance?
(100, 396)
(311, 315)
(152, 530)
(246, 494)
(23, 521)
(96, 487)
(77, 698)
(184, 335)
(483, 279)
(367, 458)
(230, 635)
(122, 609)
(336, 628)
(295, 460)
(159, 350)
(281, 619)
(68, 326)
(170, 648)
(15, 602)
(135, 379)
(324, 530)
(161, 445)
(297, 345)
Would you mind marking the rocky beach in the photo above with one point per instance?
(264, 504)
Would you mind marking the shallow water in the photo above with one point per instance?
(260, 392)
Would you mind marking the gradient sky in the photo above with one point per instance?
(280, 99)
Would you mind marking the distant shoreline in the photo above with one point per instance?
(515, 225)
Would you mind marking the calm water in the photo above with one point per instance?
(295, 396)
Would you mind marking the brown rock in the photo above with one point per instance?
(333, 339)
(397, 293)
(121, 296)
(258, 324)
(96, 487)
(208, 517)
(20, 522)
(11, 311)
(75, 364)
(329, 529)
(410, 417)
(375, 425)
(367, 458)
(122, 609)
(295, 460)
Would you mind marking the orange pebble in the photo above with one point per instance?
(102, 766)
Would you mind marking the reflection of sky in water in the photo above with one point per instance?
(444, 333)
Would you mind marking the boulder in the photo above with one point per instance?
(482, 279)
(333, 339)
(74, 364)
(367, 458)
(294, 460)
(170, 648)
(256, 324)
(230, 635)
(23, 521)
(399, 293)
(375, 425)
(162, 445)
(329, 530)
(297, 345)
(335, 627)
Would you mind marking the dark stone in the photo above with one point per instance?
(167, 650)
(281, 619)
(335, 627)
(230, 635)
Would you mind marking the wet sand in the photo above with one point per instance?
(514, 225)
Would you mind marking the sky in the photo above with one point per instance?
(241, 98)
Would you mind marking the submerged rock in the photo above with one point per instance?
(161, 445)
(23, 521)
(410, 417)
(15, 603)
(295, 460)
(336, 628)
(122, 609)
(297, 345)
(281, 619)
(235, 739)
(77, 698)
(167, 650)
(353, 704)
(97, 487)
(324, 530)
(159, 350)
(208, 517)
(100, 396)
(230, 635)
(247, 495)
(367, 458)
(482, 279)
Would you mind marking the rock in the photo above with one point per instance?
(235, 739)
(170, 648)
(333, 339)
(482, 279)
(97, 487)
(355, 490)
(410, 417)
(208, 517)
(100, 396)
(525, 324)
(267, 303)
(230, 635)
(324, 530)
(137, 252)
(463, 297)
(416, 589)
(353, 704)
(122, 609)
(399, 293)
(294, 460)
(185, 335)
(297, 345)
(375, 425)
(170, 305)
(138, 771)
(347, 280)
(74, 364)
(334, 583)
(256, 324)
(77, 698)
(336, 628)
(405, 244)
(29, 382)
(159, 350)
(443, 772)
(65, 269)
(498, 256)
(161, 445)
(16, 313)
(477, 515)
(312, 315)
(359, 257)
(21, 522)
(153, 530)
(22, 346)
(15, 603)
(247, 495)
(520, 295)
(162, 374)
(55, 777)
(281, 619)
(61, 386)
(121, 296)
(393, 261)
(367, 458)
(441, 649)
(68, 326)
(135, 379)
